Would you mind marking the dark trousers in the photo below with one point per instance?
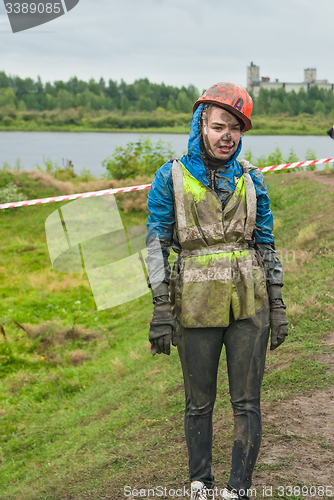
(199, 350)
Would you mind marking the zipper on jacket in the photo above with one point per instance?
(212, 179)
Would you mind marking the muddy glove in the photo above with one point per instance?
(277, 318)
(162, 326)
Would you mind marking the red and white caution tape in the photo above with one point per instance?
(296, 164)
(69, 197)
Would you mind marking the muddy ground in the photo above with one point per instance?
(298, 438)
(297, 445)
(297, 448)
(318, 176)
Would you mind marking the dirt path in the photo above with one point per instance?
(297, 448)
(298, 442)
(321, 177)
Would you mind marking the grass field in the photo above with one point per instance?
(303, 124)
(84, 408)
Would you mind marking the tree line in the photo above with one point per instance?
(278, 101)
(142, 95)
(18, 94)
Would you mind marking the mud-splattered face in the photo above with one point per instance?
(221, 133)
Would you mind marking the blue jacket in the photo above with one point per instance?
(161, 218)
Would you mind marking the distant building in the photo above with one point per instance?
(254, 82)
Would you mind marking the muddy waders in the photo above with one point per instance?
(220, 298)
(245, 343)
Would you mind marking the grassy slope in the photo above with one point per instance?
(85, 431)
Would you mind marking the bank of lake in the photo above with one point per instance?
(89, 149)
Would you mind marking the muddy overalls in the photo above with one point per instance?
(218, 291)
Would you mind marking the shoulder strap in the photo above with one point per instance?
(250, 199)
(245, 163)
(177, 176)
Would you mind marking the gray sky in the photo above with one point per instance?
(175, 41)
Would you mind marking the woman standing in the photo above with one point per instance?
(225, 287)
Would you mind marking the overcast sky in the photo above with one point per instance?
(178, 42)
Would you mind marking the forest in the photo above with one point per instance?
(144, 96)
(143, 106)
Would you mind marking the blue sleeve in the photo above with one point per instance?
(160, 227)
(264, 219)
(264, 238)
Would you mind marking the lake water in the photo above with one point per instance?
(90, 149)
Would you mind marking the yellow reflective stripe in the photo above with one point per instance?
(206, 259)
(192, 185)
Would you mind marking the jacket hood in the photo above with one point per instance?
(192, 160)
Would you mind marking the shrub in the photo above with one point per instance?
(275, 158)
(310, 155)
(71, 116)
(11, 193)
(137, 158)
(85, 175)
(29, 115)
(60, 173)
(7, 121)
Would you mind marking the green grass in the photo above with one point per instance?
(35, 127)
(303, 124)
(85, 430)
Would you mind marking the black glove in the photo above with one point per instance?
(162, 326)
(277, 317)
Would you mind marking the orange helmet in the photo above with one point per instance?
(233, 98)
